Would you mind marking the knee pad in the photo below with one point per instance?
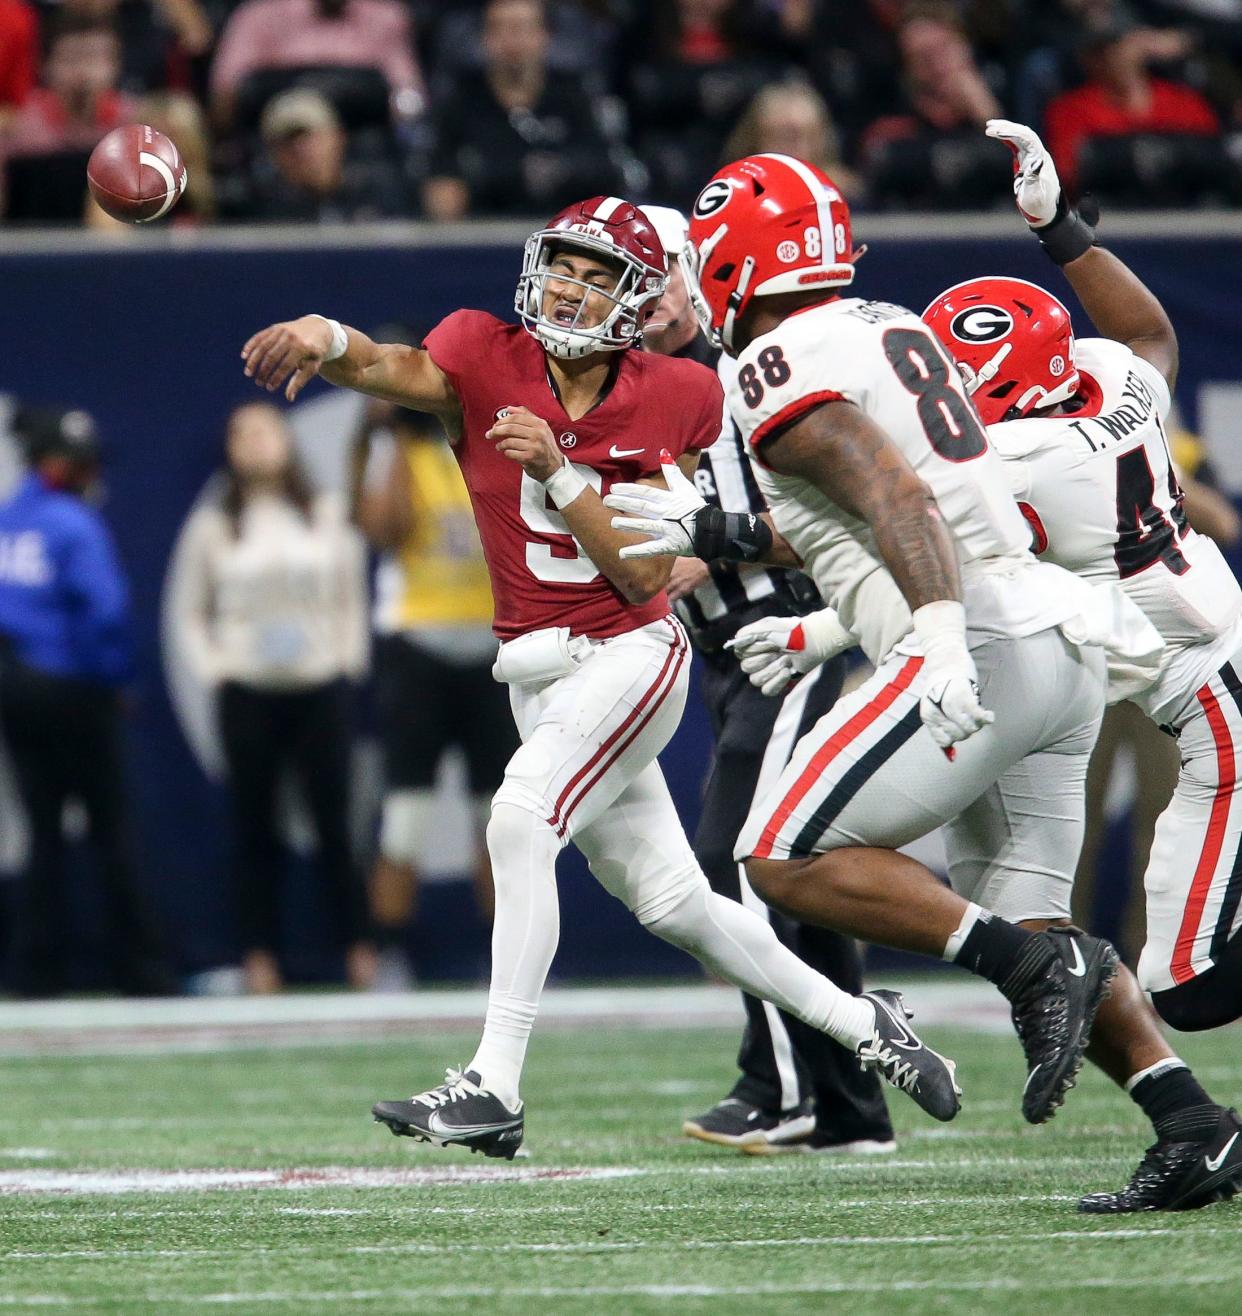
(406, 818)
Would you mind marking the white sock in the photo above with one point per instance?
(972, 916)
(742, 948)
(1160, 1067)
(523, 850)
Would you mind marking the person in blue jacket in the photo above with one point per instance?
(65, 656)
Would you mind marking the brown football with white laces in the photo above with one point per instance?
(136, 174)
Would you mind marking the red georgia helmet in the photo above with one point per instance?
(766, 224)
(1012, 341)
(605, 226)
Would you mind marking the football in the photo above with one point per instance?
(136, 174)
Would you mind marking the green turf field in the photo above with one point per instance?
(977, 1216)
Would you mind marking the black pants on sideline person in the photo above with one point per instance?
(782, 1060)
(307, 731)
(64, 739)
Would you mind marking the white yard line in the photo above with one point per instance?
(643, 1245)
(457, 1292)
(107, 1027)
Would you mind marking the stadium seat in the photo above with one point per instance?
(46, 189)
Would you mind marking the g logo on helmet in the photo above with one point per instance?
(981, 324)
(1056, 367)
(712, 198)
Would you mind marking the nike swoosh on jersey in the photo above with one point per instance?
(614, 451)
(1215, 1162)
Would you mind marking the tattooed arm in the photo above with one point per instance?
(845, 455)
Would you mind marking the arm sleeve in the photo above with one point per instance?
(95, 584)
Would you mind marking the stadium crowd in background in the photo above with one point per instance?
(421, 101)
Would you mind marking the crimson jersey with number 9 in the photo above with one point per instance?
(540, 575)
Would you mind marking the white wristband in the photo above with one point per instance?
(564, 485)
(825, 635)
(340, 339)
(941, 628)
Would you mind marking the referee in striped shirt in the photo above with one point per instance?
(798, 1089)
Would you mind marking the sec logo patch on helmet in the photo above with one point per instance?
(1056, 366)
(981, 324)
(788, 252)
(712, 198)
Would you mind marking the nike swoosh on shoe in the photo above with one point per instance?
(1214, 1163)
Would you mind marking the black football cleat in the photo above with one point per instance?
(1180, 1176)
(461, 1113)
(734, 1122)
(1053, 1016)
(901, 1059)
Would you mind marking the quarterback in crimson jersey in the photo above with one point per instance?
(544, 416)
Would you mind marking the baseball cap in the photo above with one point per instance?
(56, 431)
(297, 111)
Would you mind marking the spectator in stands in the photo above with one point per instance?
(271, 608)
(1121, 97)
(849, 52)
(518, 138)
(695, 65)
(307, 176)
(19, 56)
(65, 656)
(271, 34)
(77, 102)
(433, 658)
(792, 118)
(935, 152)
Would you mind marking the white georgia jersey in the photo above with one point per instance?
(883, 359)
(1102, 497)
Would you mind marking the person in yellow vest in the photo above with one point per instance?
(433, 656)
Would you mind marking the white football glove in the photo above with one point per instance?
(1036, 187)
(665, 516)
(950, 706)
(776, 651)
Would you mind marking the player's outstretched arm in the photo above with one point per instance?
(1120, 305)
(290, 354)
(1123, 308)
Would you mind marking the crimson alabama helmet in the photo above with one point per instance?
(604, 226)
(1012, 341)
(766, 224)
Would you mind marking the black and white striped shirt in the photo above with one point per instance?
(724, 478)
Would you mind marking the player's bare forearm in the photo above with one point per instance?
(590, 523)
(849, 458)
(781, 553)
(1123, 308)
(288, 355)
